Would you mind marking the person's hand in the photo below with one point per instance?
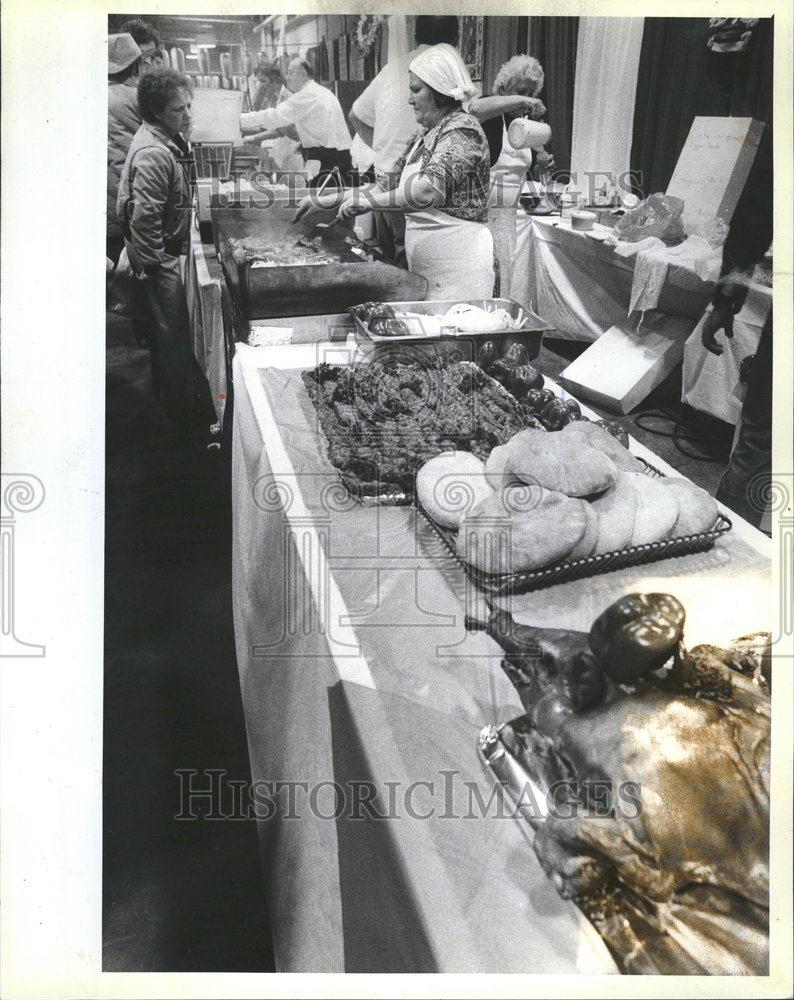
(533, 108)
(544, 160)
(307, 208)
(720, 318)
(350, 208)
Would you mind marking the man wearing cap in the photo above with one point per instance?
(124, 120)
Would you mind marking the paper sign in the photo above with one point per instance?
(713, 167)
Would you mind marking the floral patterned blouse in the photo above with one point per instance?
(454, 155)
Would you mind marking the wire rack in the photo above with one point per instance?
(505, 584)
(213, 159)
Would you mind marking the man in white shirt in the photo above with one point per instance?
(385, 121)
(312, 115)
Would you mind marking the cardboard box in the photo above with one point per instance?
(624, 366)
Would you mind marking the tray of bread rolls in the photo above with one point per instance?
(551, 507)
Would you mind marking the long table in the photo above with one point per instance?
(582, 287)
(355, 667)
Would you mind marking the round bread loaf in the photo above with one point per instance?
(617, 512)
(496, 470)
(522, 528)
(560, 463)
(657, 509)
(587, 544)
(450, 485)
(596, 437)
(697, 510)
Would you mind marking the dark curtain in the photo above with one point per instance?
(680, 78)
(502, 38)
(553, 41)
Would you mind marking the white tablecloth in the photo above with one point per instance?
(582, 287)
(355, 666)
(204, 290)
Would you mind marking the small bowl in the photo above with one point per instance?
(582, 221)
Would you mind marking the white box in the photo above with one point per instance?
(624, 366)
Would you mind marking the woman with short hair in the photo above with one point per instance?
(271, 86)
(516, 87)
(154, 207)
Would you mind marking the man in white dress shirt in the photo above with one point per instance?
(312, 115)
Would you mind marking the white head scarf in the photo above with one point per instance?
(442, 68)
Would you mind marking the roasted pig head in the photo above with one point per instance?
(662, 834)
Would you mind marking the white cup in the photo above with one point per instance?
(524, 133)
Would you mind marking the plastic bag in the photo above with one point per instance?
(122, 296)
(659, 215)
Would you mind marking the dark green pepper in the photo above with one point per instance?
(637, 634)
(518, 352)
(525, 377)
(553, 415)
(487, 354)
(534, 400)
(502, 370)
(572, 407)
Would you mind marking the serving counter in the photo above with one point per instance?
(356, 669)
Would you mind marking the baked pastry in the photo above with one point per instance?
(451, 484)
(586, 432)
(697, 511)
(559, 463)
(617, 512)
(657, 508)
(496, 470)
(522, 528)
(587, 544)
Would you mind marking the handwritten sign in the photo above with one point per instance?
(713, 167)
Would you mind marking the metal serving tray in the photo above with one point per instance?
(506, 584)
(302, 289)
(530, 332)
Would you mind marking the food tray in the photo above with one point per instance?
(505, 584)
(530, 332)
(385, 493)
(301, 290)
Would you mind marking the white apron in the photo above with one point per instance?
(454, 255)
(507, 178)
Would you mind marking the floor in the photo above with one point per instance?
(181, 895)
(178, 895)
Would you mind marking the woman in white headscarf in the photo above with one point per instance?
(441, 183)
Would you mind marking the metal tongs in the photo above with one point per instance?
(334, 222)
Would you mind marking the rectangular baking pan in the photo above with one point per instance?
(530, 333)
(302, 289)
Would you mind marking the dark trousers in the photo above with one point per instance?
(745, 485)
(163, 295)
(330, 158)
